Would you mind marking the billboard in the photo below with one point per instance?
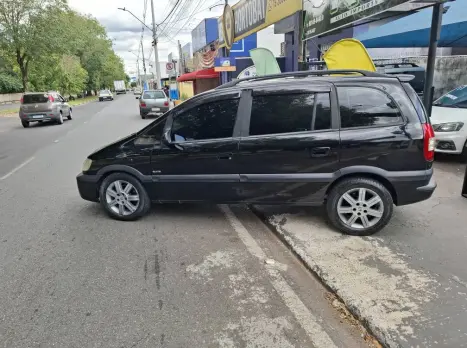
(204, 33)
(198, 36)
(251, 16)
(323, 16)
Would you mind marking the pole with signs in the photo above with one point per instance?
(156, 52)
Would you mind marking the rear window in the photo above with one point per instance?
(417, 103)
(35, 98)
(154, 95)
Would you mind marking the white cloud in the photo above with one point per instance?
(125, 30)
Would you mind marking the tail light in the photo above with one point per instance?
(51, 99)
(166, 103)
(428, 142)
(143, 105)
(22, 99)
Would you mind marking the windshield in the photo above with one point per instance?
(457, 98)
(154, 95)
(104, 92)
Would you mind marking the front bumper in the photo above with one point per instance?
(162, 110)
(450, 142)
(88, 187)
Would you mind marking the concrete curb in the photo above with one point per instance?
(381, 336)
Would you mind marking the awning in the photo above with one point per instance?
(200, 74)
(414, 30)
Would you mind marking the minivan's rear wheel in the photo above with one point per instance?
(25, 124)
(123, 197)
(359, 206)
(60, 118)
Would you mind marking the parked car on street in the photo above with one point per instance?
(137, 91)
(357, 144)
(449, 120)
(105, 94)
(153, 102)
(44, 107)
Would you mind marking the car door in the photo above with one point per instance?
(198, 163)
(63, 105)
(289, 150)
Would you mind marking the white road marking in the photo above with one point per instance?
(16, 169)
(307, 320)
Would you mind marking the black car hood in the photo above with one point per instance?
(112, 149)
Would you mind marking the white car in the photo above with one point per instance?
(449, 121)
(105, 94)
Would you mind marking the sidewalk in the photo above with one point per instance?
(408, 283)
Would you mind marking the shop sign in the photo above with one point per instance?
(224, 64)
(251, 16)
(323, 16)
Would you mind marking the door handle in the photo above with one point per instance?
(320, 151)
(225, 157)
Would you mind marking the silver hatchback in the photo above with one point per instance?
(153, 102)
(43, 107)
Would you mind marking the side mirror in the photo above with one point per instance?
(66, 100)
(137, 97)
(166, 139)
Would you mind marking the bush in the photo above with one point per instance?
(10, 84)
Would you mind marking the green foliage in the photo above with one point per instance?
(133, 84)
(10, 84)
(53, 47)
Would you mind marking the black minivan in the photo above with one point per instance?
(356, 141)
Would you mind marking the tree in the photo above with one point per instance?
(29, 29)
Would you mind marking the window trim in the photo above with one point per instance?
(203, 102)
(402, 119)
(314, 91)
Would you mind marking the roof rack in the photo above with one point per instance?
(303, 74)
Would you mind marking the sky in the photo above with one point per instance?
(125, 30)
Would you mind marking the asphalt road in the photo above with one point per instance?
(184, 276)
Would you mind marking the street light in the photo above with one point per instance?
(154, 39)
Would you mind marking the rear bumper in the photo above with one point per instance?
(88, 187)
(162, 110)
(107, 97)
(414, 189)
(49, 116)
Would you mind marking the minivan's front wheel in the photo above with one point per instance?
(359, 206)
(123, 197)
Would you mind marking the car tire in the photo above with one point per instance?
(60, 118)
(70, 116)
(348, 206)
(25, 124)
(143, 116)
(464, 153)
(100, 99)
(122, 211)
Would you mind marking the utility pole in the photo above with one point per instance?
(144, 63)
(156, 52)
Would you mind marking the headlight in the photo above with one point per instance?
(448, 127)
(87, 164)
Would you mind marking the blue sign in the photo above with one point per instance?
(242, 47)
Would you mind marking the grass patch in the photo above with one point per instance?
(8, 111)
(82, 100)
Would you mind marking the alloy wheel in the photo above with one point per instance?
(122, 197)
(360, 208)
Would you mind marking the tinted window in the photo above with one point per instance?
(35, 98)
(154, 95)
(207, 121)
(323, 112)
(274, 114)
(152, 135)
(363, 107)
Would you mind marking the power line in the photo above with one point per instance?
(171, 11)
